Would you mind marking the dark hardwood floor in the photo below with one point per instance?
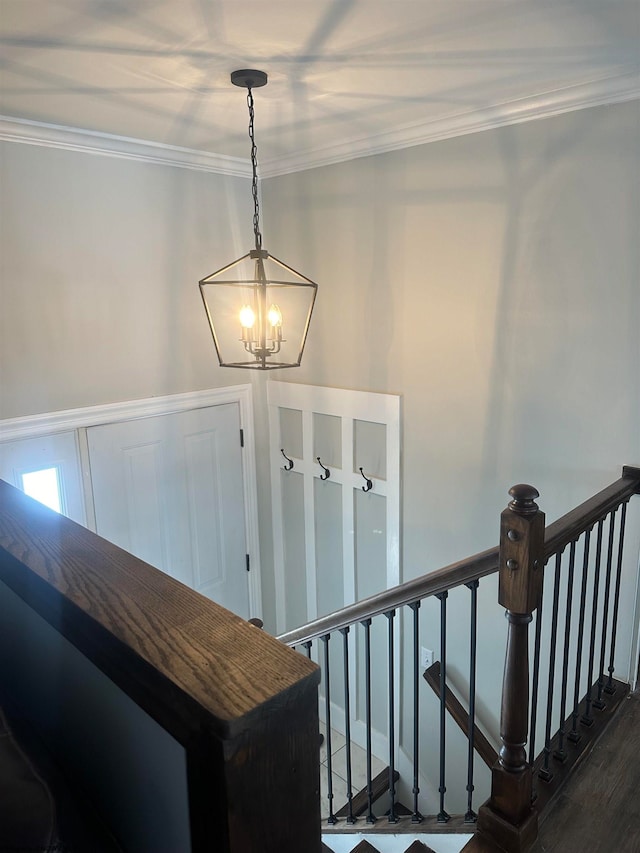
(599, 812)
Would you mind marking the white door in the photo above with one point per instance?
(47, 468)
(169, 489)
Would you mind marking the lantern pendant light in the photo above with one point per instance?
(258, 307)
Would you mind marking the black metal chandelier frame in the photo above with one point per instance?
(262, 325)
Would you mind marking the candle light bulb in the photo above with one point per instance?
(274, 316)
(247, 317)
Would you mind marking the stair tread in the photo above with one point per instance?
(364, 847)
(360, 801)
(415, 847)
(400, 809)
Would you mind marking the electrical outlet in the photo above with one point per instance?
(426, 657)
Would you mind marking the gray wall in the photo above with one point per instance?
(100, 259)
(493, 281)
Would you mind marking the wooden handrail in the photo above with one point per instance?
(557, 535)
(243, 705)
(435, 582)
(564, 530)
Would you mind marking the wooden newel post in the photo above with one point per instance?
(507, 817)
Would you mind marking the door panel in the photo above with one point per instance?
(169, 489)
(143, 491)
(205, 489)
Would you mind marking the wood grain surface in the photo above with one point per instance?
(184, 659)
(599, 810)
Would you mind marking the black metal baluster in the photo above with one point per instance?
(443, 817)
(393, 818)
(536, 677)
(327, 698)
(470, 816)
(574, 734)
(587, 719)
(599, 703)
(545, 772)
(616, 599)
(307, 645)
(416, 817)
(559, 752)
(347, 723)
(371, 818)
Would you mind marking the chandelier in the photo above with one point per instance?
(258, 307)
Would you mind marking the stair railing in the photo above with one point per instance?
(523, 783)
(385, 607)
(581, 632)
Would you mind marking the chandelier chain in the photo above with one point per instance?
(254, 169)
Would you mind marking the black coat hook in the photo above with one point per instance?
(289, 464)
(327, 472)
(369, 482)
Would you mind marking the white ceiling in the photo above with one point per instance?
(346, 77)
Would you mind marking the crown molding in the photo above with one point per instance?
(608, 90)
(91, 142)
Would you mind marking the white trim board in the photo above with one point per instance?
(608, 90)
(31, 426)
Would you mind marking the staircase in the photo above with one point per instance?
(562, 702)
(249, 745)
